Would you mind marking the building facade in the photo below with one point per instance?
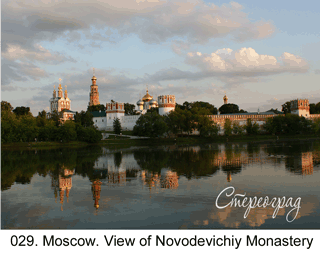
(104, 120)
(60, 103)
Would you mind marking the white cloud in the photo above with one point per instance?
(246, 62)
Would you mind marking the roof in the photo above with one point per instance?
(252, 113)
(147, 97)
(68, 111)
(98, 114)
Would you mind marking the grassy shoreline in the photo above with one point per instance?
(127, 143)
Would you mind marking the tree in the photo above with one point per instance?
(19, 111)
(227, 127)
(286, 107)
(83, 118)
(174, 121)
(56, 117)
(206, 127)
(42, 118)
(150, 124)
(314, 108)
(205, 107)
(98, 107)
(6, 106)
(252, 128)
(129, 109)
(237, 129)
(229, 108)
(189, 123)
(116, 126)
(153, 109)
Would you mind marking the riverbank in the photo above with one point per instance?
(122, 142)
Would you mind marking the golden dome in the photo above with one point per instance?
(93, 78)
(147, 97)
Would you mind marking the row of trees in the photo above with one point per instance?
(19, 125)
(176, 122)
(181, 121)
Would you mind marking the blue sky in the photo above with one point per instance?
(260, 53)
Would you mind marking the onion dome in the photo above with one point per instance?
(93, 78)
(153, 102)
(147, 97)
(140, 102)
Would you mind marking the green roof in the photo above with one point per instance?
(98, 114)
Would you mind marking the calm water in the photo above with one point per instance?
(160, 187)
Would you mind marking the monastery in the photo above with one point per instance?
(103, 120)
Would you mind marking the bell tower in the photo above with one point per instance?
(94, 94)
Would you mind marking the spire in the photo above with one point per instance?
(60, 89)
(225, 98)
(65, 92)
(54, 91)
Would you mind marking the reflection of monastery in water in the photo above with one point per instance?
(120, 168)
(63, 184)
(166, 179)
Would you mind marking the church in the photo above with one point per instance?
(61, 104)
(103, 120)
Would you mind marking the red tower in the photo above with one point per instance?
(96, 188)
(94, 94)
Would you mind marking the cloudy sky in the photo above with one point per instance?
(261, 53)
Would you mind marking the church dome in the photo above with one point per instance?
(147, 97)
(153, 102)
(140, 102)
(93, 78)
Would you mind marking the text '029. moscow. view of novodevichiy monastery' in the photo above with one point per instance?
(103, 120)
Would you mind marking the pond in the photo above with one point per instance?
(164, 187)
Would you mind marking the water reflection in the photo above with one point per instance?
(175, 179)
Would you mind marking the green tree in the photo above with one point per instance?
(83, 118)
(229, 108)
(206, 127)
(98, 107)
(205, 107)
(314, 108)
(189, 121)
(150, 124)
(227, 127)
(252, 128)
(117, 126)
(174, 121)
(129, 109)
(19, 111)
(286, 107)
(6, 106)
(237, 129)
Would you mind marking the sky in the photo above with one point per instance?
(260, 53)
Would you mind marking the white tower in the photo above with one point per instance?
(166, 104)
